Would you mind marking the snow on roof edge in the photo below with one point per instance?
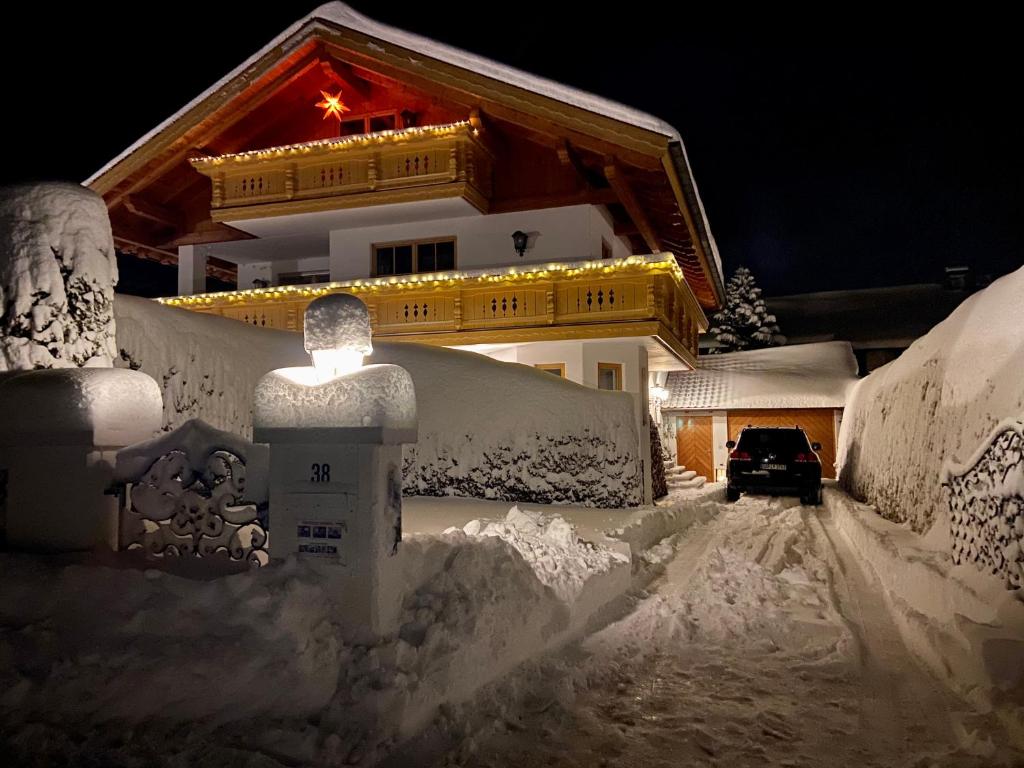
(337, 13)
(799, 376)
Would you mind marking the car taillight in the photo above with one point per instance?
(740, 455)
(806, 457)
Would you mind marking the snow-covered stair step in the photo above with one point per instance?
(675, 471)
(687, 474)
(694, 482)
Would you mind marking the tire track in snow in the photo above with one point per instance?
(762, 643)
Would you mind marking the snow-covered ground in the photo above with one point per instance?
(767, 641)
(774, 634)
(99, 661)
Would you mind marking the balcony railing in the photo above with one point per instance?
(635, 296)
(391, 166)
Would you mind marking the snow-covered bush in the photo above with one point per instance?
(936, 403)
(57, 275)
(486, 429)
(986, 505)
(744, 322)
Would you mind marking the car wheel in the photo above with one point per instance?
(732, 494)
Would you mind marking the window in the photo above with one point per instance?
(557, 369)
(609, 376)
(410, 258)
(303, 278)
(373, 123)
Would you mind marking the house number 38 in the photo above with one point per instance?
(320, 473)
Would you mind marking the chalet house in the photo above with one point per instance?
(803, 385)
(468, 204)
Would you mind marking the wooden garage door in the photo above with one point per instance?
(693, 444)
(816, 422)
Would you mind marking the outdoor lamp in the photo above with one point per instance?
(659, 393)
(520, 240)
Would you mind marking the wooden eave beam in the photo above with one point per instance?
(144, 209)
(624, 191)
(210, 232)
(342, 75)
(200, 126)
(569, 157)
(588, 130)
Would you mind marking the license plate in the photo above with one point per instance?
(773, 466)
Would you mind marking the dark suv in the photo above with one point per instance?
(775, 460)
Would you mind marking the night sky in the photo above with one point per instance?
(820, 168)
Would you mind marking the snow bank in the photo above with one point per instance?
(486, 429)
(207, 366)
(934, 404)
(57, 275)
(96, 650)
(963, 625)
(801, 376)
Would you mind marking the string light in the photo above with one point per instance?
(658, 262)
(306, 147)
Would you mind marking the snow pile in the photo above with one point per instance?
(554, 441)
(986, 505)
(936, 403)
(962, 624)
(93, 652)
(550, 546)
(57, 275)
(802, 376)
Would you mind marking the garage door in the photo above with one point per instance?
(816, 422)
(693, 444)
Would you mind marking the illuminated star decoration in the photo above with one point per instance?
(332, 105)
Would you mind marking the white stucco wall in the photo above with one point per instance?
(556, 234)
(271, 271)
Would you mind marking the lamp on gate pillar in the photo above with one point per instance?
(335, 431)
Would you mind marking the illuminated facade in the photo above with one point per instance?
(468, 204)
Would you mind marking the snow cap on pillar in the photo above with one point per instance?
(337, 321)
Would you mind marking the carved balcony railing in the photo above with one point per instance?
(635, 296)
(391, 166)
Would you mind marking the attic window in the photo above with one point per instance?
(369, 123)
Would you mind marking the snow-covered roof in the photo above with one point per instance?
(800, 376)
(341, 15)
(892, 316)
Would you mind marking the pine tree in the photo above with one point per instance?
(744, 322)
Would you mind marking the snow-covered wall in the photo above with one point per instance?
(935, 404)
(57, 275)
(486, 429)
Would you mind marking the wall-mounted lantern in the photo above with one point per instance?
(520, 241)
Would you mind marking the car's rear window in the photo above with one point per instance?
(781, 440)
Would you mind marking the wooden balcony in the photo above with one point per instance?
(639, 296)
(393, 166)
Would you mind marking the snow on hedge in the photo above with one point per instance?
(92, 653)
(57, 275)
(487, 429)
(935, 404)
